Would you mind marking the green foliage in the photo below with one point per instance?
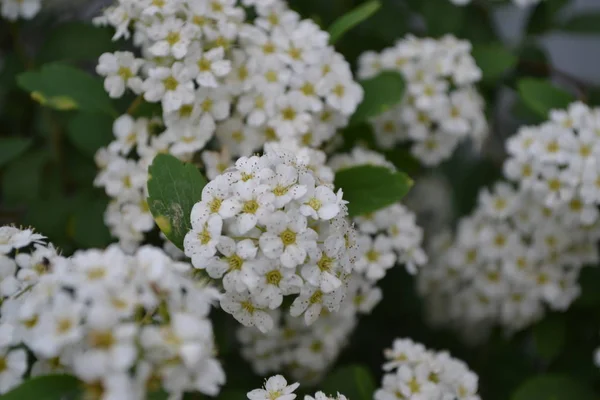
(588, 23)
(88, 132)
(494, 60)
(76, 41)
(541, 96)
(64, 88)
(545, 16)
(12, 147)
(22, 178)
(173, 187)
(48, 387)
(553, 387)
(353, 381)
(549, 336)
(369, 188)
(351, 19)
(442, 17)
(381, 93)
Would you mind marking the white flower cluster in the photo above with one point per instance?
(387, 236)
(276, 388)
(520, 3)
(414, 372)
(24, 257)
(522, 249)
(308, 351)
(217, 73)
(125, 325)
(441, 106)
(271, 227)
(16, 9)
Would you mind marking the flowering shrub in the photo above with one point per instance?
(228, 192)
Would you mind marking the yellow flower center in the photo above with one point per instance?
(274, 277)
(250, 207)
(288, 237)
(170, 83)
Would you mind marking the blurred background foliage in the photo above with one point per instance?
(47, 169)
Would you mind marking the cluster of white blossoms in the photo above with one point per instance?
(217, 74)
(388, 237)
(277, 388)
(13, 10)
(413, 372)
(269, 227)
(126, 325)
(441, 106)
(520, 3)
(522, 249)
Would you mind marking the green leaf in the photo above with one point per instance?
(549, 336)
(173, 187)
(89, 132)
(354, 381)
(76, 41)
(494, 60)
(544, 16)
(64, 88)
(369, 188)
(87, 225)
(21, 178)
(442, 17)
(352, 18)
(381, 93)
(588, 23)
(12, 147)
(553, 387)
(47, 387)
(541, 96)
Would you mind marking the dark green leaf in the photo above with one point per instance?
(543, 18)
(553, 387)
(541, 96)
(589, 280)
(481, 26)
(588, 23)
(494, 60)
(76, 41)
(87, 225)
(369, 188)
(173, 187)
(549, 336)
(47, 387)
(354, 381)
(52, 224)
(11, 148)
(21, 178)
(442, 17)
(88, 132)
(351, 19)
(381, 93)
(63, 87)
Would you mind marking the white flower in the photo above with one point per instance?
(201, 242)
(13, 9)
(288, 238)
(245, 310)
(290, 118)
(15, 238)
(171, 37)
(121, 71)
(172, 86)
(208, 66)
(14, 363)
(276, 388)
